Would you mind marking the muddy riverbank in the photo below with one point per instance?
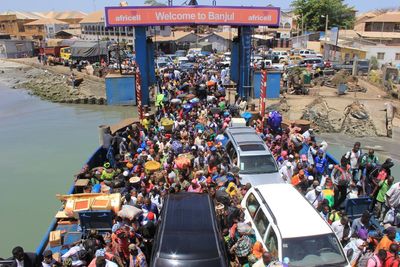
(51, 84)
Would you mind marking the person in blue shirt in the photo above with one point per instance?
(149, 206)
(320, 164)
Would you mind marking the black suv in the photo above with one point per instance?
(188, 233)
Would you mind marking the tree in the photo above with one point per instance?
(153, 3)
(313, 14)
(373, 63)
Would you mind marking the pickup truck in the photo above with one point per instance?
(362, 66)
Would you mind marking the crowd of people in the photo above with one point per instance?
(185, 137)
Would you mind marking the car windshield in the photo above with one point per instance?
(363, 63)
(257, 164)
(322, 250)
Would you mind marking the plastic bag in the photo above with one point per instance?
(389, 217)
(129, 212)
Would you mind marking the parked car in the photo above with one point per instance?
(281, 54)
(314, 62)
(180, 53)
(288, 226)
(361, 68)
(249, 153)
(307, 53)
(188, 233)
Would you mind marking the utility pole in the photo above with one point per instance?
(326, 28)
(326, 36)
(170, 3)
(214, 3)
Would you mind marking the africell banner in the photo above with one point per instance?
(212, 15)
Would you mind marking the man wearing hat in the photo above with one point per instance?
(136, 258)
(315, 196)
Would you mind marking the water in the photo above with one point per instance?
(42, 146)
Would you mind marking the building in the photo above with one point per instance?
(93, 28)
(381, 28)
(68, 34)
(178, 40)
(221, 41)
(24, 25)
(70, 17)
(351, 44)
(384, 54)
(47, 27)
(16, 48)
(12, 23)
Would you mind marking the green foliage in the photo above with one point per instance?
(313, 13)
(153, 3)
(373, 63)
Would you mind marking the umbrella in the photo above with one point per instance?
(194, 101)
(176, 101)
(187, 107)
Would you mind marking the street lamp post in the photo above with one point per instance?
(326, 33)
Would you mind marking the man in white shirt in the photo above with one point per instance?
(315, 196)
(353, 157)
(286, 171)
(342, 230)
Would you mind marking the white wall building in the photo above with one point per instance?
(93, 28)
(384, 54)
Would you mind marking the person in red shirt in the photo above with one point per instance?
(392, 259)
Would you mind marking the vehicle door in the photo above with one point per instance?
(232, 153)
(254, 213)
(272, 243)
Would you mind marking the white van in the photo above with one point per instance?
(290, 228)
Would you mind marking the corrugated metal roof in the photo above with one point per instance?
(22, 15)
(175, 36)
(45, 21)
(380, 35)
(94, 17)
(386, 17)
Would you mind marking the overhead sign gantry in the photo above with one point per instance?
(243, 17)
(192, 15)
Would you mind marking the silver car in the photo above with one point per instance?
(250, 154)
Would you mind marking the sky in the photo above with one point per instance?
(91, 5)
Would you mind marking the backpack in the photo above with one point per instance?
(275, 120)
(363, 261)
